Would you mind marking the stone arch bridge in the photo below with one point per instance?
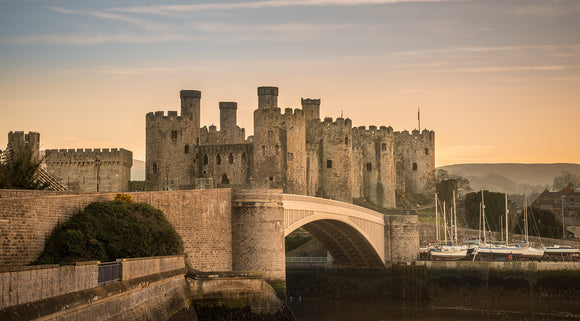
(354, 235)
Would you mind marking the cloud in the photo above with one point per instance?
(174, 9)
(548, 10)
(510, 68)
(110, 16)
(94, 39)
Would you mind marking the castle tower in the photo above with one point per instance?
(414, 160)
(228, 121)
(311, 108)
(190, 110)
(279, 145)
(18, 140)
(333, 140)
(267, 97)
(170, 142)
(373, 165)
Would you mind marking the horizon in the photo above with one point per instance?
(497, 81)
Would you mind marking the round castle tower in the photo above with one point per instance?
(373, 165)
(414, 160)
(279, 145)
(170, 142)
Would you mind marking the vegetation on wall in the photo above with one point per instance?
(20, 170)
(105, 231)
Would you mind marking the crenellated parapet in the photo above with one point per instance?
(83, 169)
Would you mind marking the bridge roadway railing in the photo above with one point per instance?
(300, 210)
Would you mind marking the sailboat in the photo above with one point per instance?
(446, 251)
(530, 252)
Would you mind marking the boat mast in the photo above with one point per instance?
(506, 220)
(526, 217)
(445, 221)
(479, 222)
(455, 217)
(483, 215)
(436, 220)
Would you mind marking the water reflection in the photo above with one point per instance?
(313, 309)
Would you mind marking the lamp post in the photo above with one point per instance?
(166, 178)
(98, 166)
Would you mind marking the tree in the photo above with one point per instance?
(105, 231)
(564, 179)
(446, 183)
(20, 170)
(494, 209)
(540, 223)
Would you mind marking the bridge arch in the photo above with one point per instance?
(354, 235)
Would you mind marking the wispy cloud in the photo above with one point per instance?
(173, 9)
(510, 68)
(291, 27)
(552, 9)
(110, 16)
(92, 39)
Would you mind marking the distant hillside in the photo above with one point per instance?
(138, 170)
(514, 177)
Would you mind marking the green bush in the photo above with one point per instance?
(105, 231)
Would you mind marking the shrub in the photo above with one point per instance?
(105, 231)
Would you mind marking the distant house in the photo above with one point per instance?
(565, 202)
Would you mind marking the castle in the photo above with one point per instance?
(291, 149)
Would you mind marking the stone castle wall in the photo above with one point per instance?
(228, 165)
(201, 217)
(76, 169)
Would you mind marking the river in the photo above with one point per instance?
(399, 295)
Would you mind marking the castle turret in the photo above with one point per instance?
(190, 110)
(228, 121)
(311, 108)
(18, 140)
(267, 97)
(279, 145)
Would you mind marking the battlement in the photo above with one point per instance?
(228, 105)
(190, 94)
(111, 151)
(416, 134)
(309, 101)
(328, 121)
(383, 131)
(19, 137)
(269, 91)
(172, 114)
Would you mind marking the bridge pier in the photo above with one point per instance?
(258, 233)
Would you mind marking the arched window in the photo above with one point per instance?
(225, 179)
(218, 159)
(155, 168)
(186, 149)
(244, 158)
(346, 140)
(205, 159)
(231, 159)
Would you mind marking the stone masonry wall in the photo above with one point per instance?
(401, 238)
(133, 268)
(201, 217)
(33, 283)
(77, 170)
(258, 232)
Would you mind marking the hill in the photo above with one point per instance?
(138, 170)
(515, 178)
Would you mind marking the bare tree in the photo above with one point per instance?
(564, 179)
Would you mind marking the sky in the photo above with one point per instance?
(497, 80)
